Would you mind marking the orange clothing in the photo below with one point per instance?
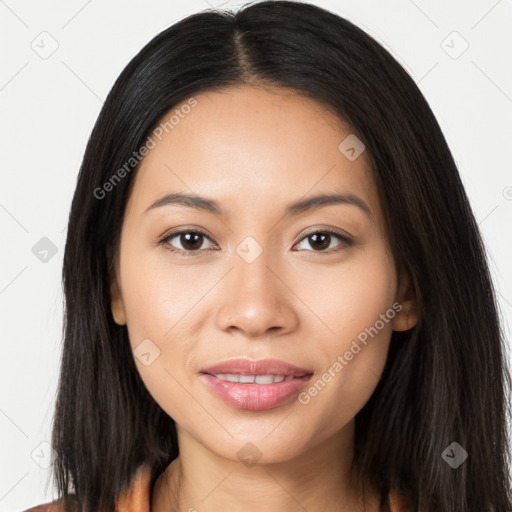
(137, 497)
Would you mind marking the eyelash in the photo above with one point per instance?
(345, 241)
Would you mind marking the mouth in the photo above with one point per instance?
(261, 368)
(255, 385)
(255, 379)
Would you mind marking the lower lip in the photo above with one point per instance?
(256, 397)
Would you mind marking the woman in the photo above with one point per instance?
(276, 292)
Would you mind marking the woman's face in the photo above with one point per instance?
(262, 280)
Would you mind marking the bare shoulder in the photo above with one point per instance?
(53, 506)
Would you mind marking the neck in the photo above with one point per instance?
(319, 479)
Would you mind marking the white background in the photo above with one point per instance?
(49, 107)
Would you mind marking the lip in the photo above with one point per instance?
(261, 367)
(255, 396)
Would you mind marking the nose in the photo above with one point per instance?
(255, 299)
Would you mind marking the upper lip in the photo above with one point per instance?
(262, 367)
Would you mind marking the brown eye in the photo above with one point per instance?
(186, 241)
(320, 241)
(191, 241)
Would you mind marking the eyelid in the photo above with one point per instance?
(325, 229)
(346, 239)
(180, 231)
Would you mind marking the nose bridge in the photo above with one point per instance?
(252, 277)
(252, 259)
(254, 299)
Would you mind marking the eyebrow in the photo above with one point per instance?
(303, 205)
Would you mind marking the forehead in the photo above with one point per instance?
(251, 146)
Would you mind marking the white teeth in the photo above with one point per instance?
(264, 379)
(250, 379)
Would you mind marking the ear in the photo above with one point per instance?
(116, 301)
(409, 314)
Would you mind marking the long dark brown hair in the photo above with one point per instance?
(445, 380)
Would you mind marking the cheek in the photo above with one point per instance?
(359, 315)
(364, 317)
(351, 297)
(156, 320)
(162, 302)
(158, 296)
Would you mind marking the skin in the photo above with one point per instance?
(254, 150)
